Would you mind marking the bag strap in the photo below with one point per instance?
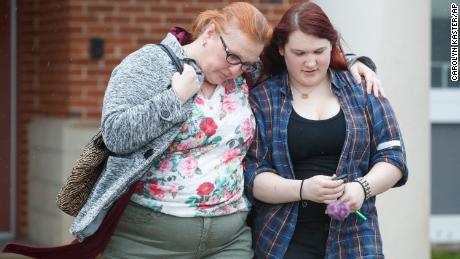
(173, 57)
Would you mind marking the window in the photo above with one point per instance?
(445, 130)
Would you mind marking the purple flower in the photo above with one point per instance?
(337, 210)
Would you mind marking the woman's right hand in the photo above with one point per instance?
(186, 84)
(353, 196)
(322, 189)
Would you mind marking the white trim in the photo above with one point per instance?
(13, 120)
(388, 144)
(445, 105)
(445, 229)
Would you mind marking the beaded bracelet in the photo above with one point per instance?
(366, 187)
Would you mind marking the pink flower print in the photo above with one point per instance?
(228, 209)
(208, 126)
(218, 211)
(244, 88)
(185, 145)
(165, 166)
(228, 196)
(203, 206)
(229, 105)
(199, 137)
(213, 200)
(155, 190)
(247, 127)
(188, 166)
(199, 101)
(173, 187)
(232, 195)
(237, 193)
(184, 127)
(229, 86)
(230, 155)
(205, 188)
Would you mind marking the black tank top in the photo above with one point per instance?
(315, 147)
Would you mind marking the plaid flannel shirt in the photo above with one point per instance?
(372, 135)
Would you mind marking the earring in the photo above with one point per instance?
(203, 44)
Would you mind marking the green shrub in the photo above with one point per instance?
(445, 255)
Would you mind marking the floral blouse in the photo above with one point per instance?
(201, 173)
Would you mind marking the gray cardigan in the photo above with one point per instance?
(140, 118)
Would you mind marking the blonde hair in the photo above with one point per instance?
(250, 21)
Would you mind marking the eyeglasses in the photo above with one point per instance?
(234, 59)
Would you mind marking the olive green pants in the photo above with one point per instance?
(143, 233)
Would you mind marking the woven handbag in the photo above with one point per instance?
(83, 176)
(88, 167)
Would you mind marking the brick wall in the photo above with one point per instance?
(57, 77)
(41, 78)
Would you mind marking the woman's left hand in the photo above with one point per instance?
(373, 84)
(353, 196)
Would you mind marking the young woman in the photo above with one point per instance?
(183, 138)
(316, 123)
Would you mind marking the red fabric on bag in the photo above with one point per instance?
(89, 248)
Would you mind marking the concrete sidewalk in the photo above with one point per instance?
(12, 256)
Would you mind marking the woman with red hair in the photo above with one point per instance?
(319, 137)
(182, 137)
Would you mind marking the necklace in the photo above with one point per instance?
(303, 95)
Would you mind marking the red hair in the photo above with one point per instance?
(249, 19)
(309, 18)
